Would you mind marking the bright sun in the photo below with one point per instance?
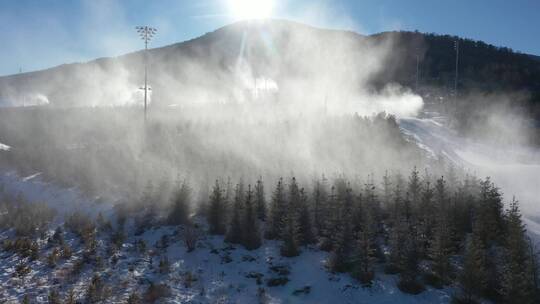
(251, 9)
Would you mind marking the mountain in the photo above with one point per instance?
(224, 64)
(218, 65)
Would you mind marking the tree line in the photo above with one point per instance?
(440, 231)
(451, 230)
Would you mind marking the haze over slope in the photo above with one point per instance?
(293, 61)
(224, 64)
(271, 73)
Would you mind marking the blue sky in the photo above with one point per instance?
(37, 34)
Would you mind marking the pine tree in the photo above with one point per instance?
(397, 208)
(407, 210)
(289, 235)
(94, 293)
(234, 233)
(58, 236)
(70, 297)
(409, 266)
(372, 207)
(217, 211)
(472, 279)
(229, 196)
(534, 267)
(202, 198)
(452, 178)
(462, 211)
(360, 209)
(319, 202)
(251, 235)
(340, 257)
(414, 189)
(26, 299)
(54, 297)
(363, 268)
(304, 221)
(100, 221)
(346, 199)
(397, 247)
(293, 197)
(440, 243)
(260, 200)
(386, 191)
(134, 298)
(330, 234)
(426, 218)
(179, 214)
(439, 250)
(517, 284)
(277, 211)
(490, 213)
(164, 265)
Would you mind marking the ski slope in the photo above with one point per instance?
(515, 170)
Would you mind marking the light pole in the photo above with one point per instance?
(146, 33)
(417, 70)
(456, 47)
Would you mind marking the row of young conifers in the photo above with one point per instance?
(428, 230)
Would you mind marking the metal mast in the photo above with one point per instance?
(146, 33)
(417, 71)
(456, 47)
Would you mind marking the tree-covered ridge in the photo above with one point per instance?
(482, 66)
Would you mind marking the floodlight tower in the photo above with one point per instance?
(417, 71)
(456, 47)
(146, 33)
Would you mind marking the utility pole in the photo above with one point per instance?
(146, 33)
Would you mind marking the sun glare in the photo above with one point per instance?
(251, 9)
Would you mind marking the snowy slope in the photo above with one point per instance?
(64, 200)
(218, 280)
(516, 171)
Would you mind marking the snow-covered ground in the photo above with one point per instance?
(65, 201)
(218, 279)
(223, 274)
(515, 170)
